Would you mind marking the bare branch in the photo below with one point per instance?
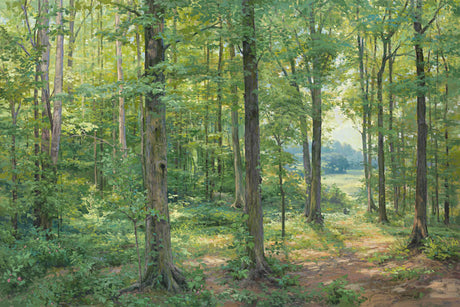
(24, 9)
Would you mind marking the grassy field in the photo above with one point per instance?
(349, 183)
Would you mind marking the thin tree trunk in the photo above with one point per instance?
(237, 163)
(220, 164)
(41, 217)
(121, 99)
(390, 128)
(58, 87)
(14, 176)
(279, 143)
(253, 206)
(381, 151)
(365, 110)
(446, 138)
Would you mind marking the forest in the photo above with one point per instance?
(180, 153)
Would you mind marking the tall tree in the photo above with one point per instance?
(237, 163)
(253, 206)
(58, 86)
(120, 79)
(420, 229)
(158, 254)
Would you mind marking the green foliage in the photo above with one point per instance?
(28, 259)
(404, 273)
(442, 248)
(336, 293)
(238, 267)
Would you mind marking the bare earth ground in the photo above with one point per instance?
(437, 284)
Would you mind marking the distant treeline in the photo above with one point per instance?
(337, 157)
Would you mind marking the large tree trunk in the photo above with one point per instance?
(58, 88)
(121, 99)
(237, 163)
(253, 206)
(420, 229)
(159, 264)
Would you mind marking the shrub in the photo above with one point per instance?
(442, 248)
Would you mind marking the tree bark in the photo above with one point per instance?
(237, 163)
(41, 217)
(159, 264)
(58, 88)
(420, 229)
(253, 206)
(121, 99)
(381, 151)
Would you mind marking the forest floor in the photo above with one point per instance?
(408, 280)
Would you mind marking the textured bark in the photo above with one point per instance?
(446, 139)
(253, 206)
(315, 203)
(315, 91)
(237, 164)
(390, 129)
(306, 163)
(420, 229)
(365, 111)
(41, 219)
(159, 264)
(220, 165)
(121, 99)
(279, 143)
(381, 151)
(58, 88)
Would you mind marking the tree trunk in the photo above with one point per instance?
(58, 88)
(315, 203)
(121, 99)
(315, 83)
(280, 177)
(237, 163)
(14, 176)
(41, 217)
(420, 229)
(158, 254)
(220, 165)
(365, 110)
(390, 129)
(253, 206)
(446, 138)
(381, 158)
(306, 163)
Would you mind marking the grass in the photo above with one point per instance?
(349, 183)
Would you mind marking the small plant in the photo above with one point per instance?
(403, 273)
(442, 248)
(239, 266)
(336, 293)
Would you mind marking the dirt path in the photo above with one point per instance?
(411, 281)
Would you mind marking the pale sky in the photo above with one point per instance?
(343, 130)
